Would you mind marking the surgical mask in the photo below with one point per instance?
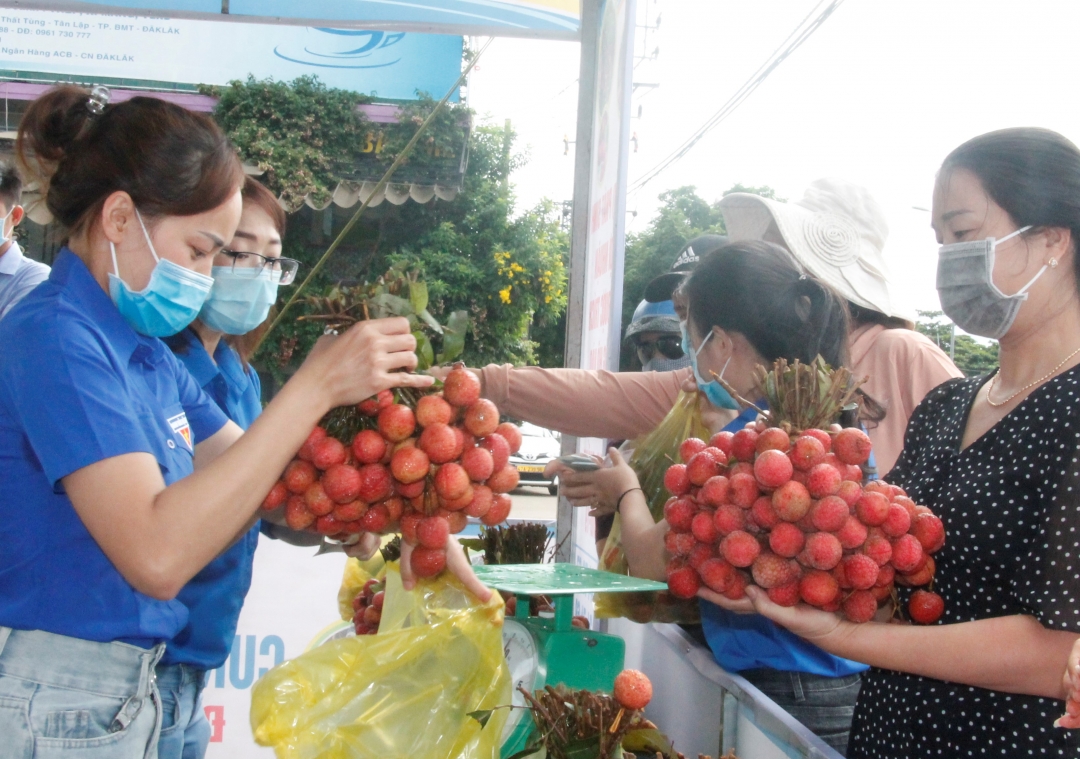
(3, 225)
(240, 299)
(170, 301)
(716, 393)
(965, 284)
(661, 364)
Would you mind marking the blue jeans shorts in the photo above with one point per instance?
(62, 697)
(185, 731)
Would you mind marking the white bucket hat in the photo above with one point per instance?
(836, 232)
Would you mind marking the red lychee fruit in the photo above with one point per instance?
(375, 483)
(744, 445)
(772, 439)
(741, 467)
(925, 607)
(676, 480)
(818, 588)
(461, 387)
(773, 467)
(679, 513)
(740, 548)
(478, 463)
(396, 422)
(715, 491)
(328, 452)
(341, 483)
(727, 519)
(440, 442)
(929, 531)
(410, 465)
(499, 511)
(822, 437)
(349, 512)
(431, 409)
(703, 528)
(504, 480)
(852, 446)
(689, 447)
(830, 514)
(481, 501)
(632, 689)
(409, 523)
(822, 551)
(851, 473)
(850, 491)
(723, 441)
(307, 450)
(683, 582)
(763, 514)
(410, 490)
(898, 522)
(512, 434)
(679, 543)
(743, 490)
(702, 467)
(791, 501)
(717, 574)
(451, 481)
(823, 480)
(907, 553)
(376, 519)
(772, 571)
(878, 548)
(376, 403)
(368, 447)
(457, 504)
(860, 606)
(433, 532)
(318, 502)
(872, 509)
(852, 534)
(784, 595)
(499, 449)
(807, 452)
(427, 562)
(327, 525)
(482, 418)
(297, 516)
(861, 571)
(277, 496)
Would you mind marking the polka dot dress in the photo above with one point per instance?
(1011, 507)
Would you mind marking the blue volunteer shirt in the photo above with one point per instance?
(78, 385)
(749, 641)
(215, 595)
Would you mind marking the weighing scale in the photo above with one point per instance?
(544, 651)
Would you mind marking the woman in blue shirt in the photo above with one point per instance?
(121, 478)
(747, 305)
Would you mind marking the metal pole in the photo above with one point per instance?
(579, 227)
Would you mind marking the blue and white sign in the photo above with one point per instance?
(388, 65)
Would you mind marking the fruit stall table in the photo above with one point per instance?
(704, 709)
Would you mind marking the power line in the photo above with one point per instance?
(798, 36)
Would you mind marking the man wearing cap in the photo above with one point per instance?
(656, 337)
(837, 233)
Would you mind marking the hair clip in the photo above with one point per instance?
(802, 277)
(99, 98)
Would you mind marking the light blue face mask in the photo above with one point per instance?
(714, 391)
(170, 301)
(241, 299)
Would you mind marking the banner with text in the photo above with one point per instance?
(387, 65)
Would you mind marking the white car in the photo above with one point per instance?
(538, 447)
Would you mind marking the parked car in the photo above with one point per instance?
(538, 447)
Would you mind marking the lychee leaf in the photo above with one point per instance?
(386, 305)
(418, 296)
(425, 355)
(430, 320)
(650, 741)
(454, 336)
(482, 716)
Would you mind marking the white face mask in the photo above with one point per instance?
(965, 284)
(3, 227)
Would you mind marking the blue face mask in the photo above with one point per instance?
(170, 301)
(240, 300)
(716, 394)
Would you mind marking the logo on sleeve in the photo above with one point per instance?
(180, 426)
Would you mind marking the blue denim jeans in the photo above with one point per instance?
(62, 697)
(825, 705)
(185, 731)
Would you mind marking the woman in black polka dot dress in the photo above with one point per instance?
(998, 459)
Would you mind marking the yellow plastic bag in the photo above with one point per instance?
(653, 454)
(405, 692)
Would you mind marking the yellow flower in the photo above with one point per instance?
(504, 294)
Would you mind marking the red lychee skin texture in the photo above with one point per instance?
(852, 446)
(368, 447)
(683, 582)
(823, 480)
(481, 502)
(375, 483)
(702, 527)
(451, 481)
(689, 447)
(908, 504)
(277, 497)
(499, 511)
(679, 543)
(427, 562)
(791, 501)
(679, 513)
(822, 437)
(504, 480)
(728, 518)
(349, 512)
(699, 554)
(763, 514)
(786, 540)
(929, 531)
(823, 550)
(741, 467)
(440, 442)
(860, 606)
(878, 548)
(907, 554)
(396, 422)
(461, 387)
(411, 490)
(872, 509)
(773, 468)
(772, 439)
(376, 519)
(740, 548)
(921, 576)
(307, 450)
(818, 588)
(373, 405)
(807, 452)
(743, 490)
(317, 501)
(394, 507)
(851, 473)
(482, 418)
(431, 409)
(512, 434)
(327, 525)
(898, 522)
(409, 523)
(925, 607)
(718, 454)
(433, 532)
(830, 514)
(328, 452)
(410, 465)
(723, 441)
(717, 574)
(478, 463)
(499, 449)
(851, 492)
(772, 571)
(341, 483)
(457, 504)
(701, 468)
(297, 516)
(744, 445)
(715, 491)
(840, 575)
(676, 480)
(737, 590)
(861, 571)
(457, 521)
(853, 533)
(784, 595)
(632, 689)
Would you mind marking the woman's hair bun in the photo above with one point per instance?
(49, 129)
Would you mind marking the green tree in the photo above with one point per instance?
(971, 357)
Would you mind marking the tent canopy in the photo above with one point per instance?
(549, 19)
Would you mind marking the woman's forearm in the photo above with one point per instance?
(642, 538)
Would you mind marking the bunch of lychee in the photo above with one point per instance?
(789, 513)
(367, 608)
(421, 470)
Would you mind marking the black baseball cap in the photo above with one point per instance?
(662, 287)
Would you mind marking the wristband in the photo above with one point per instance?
(618, 503)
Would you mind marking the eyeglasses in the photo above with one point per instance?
(669, 346)
(284, 268)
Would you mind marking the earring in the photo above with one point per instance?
(1053, 263)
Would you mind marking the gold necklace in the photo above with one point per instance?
(1028, 386)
